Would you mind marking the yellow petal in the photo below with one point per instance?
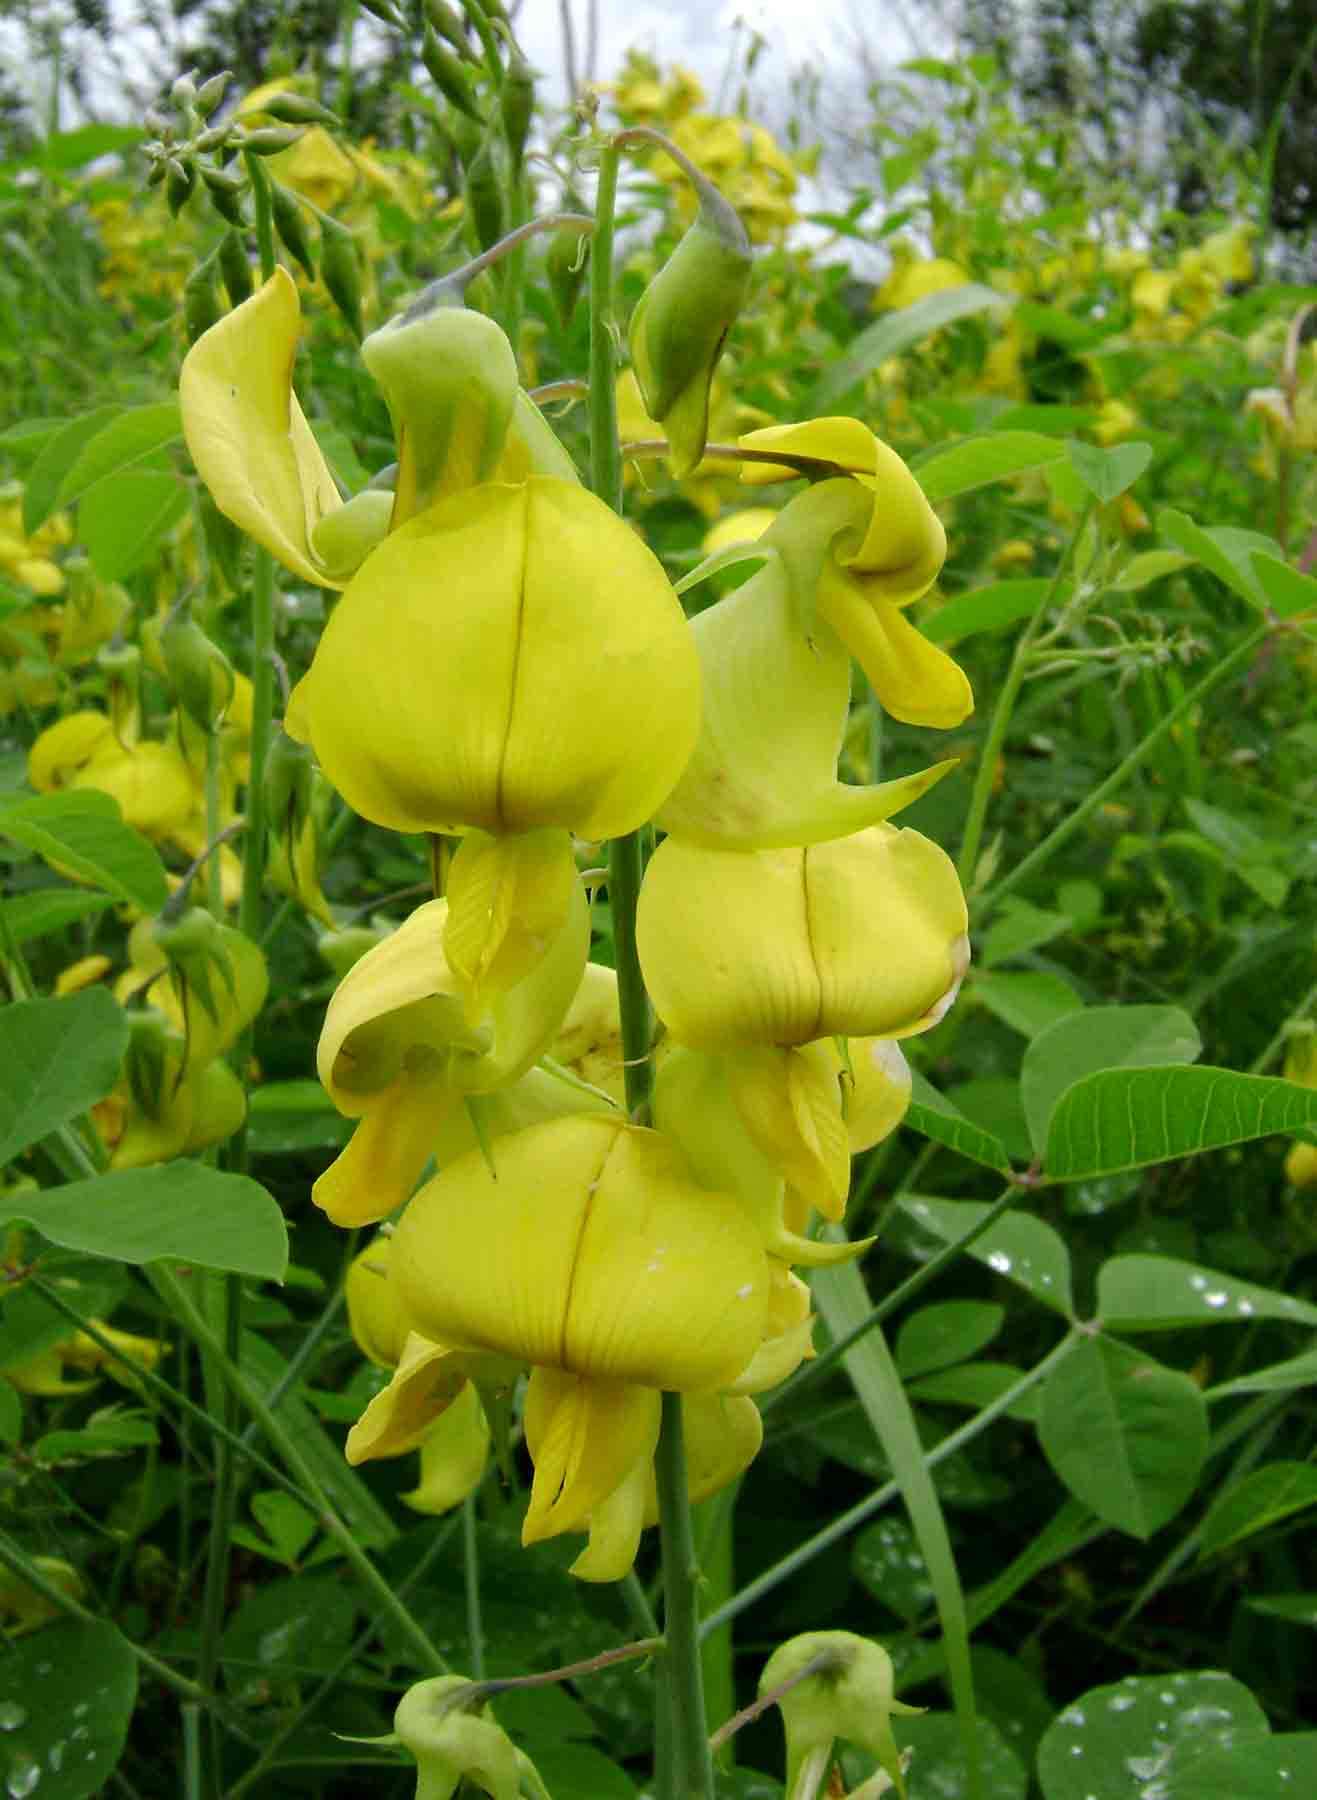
(876, 1089)
(787, 1337)
(450, 687)
(790, 1102)
(376, 1319)
(246, 432)
(385, 1155)
(723, 1433)
(66, 747)
(425, 1384)
(454, 1453)
(615, 1527)
(584, 1436)
(150, 782)
(847, 443)
(589, 1249)
(508, 899)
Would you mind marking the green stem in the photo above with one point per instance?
(605, 454)
(1262, 1061)
(180, 1302)
(262, 212)
(214, 825)
(475, 1629)
(228, 1293)
(1078, 819)
(864, 1509)
(985, 774)
(263, 683)
(691, 1768)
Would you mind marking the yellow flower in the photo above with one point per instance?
(886, 546)
(1301, 1067)
(863, 936)
(916, 277)
(741, 527)
(399, 1051)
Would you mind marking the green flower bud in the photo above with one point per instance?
(184, 91)
(211, 92)
(199, 672)
(298, 109)
(385, 12)
(180, 179)
(343, 540)
(484, 198)
(450, 378)
(517, 104)
(234, 267)
(225, 188)
(146, 1064)
(679, 327)
(202, 304)
(224, 542)
(567, 261)
(287, 212)
(340, 270)
(455, 1742)
(847, 1694)
(217, 981)
(120, 662)
(341, 949)
(446, 22)
(269, 140)
(447, 74)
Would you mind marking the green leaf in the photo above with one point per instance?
(1099, 1038)
(288, 1116)
(580, 1772)
(948, 1332)
(285, 1521)
(1294, 1372)
(73, 149)
(1062, 327)
(979, 461)
(933, 1116)
(1295, 1609)
(37, 914)
(886, 1560)
(1149, 566)
(1162, 1293)
(1114, 1742)
(1270, 1770)
(1028, 1002)
(299, 1626)
(112, 1432)
(1108, 473)
(46, 476)
(1288, 590)
(1020, 927)
(124, 519)
(1224, 549)
(57, 1059)
(29, 1323)
(1017, 1247)
(976, 1385)
(1128, 1118)
(84, 832)
(11, 1414)
(939, 1765)
(181, 1210)
(897, 332)
(985, 609)
(66, 1696)
(1260, 1500)
(131, 438)
(1126, 1435)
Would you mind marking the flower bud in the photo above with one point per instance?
(211, 92)
(450, 378)
(269, 140)
(215, 983)
(288, 770)
(447, 74)
(202, 306)
(567, 261)
(340, 270)
(847, 1694)
(484, 198)
(517, 104)
(298, 109)
(180, 179)
(455, 1742)
(226, 189)
(234, 267)
(200, 674)
(679, 327)
(446, 22)
(287, 213)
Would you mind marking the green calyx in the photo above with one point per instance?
(446, 1726)
(832, 1685)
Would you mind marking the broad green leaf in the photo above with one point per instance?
(11, 1414)
(30, 436)
(1126, 1435)
(1062, 327)
(547, 1715)
(67, 1693)
(1056, 421)
(138, 433)
(580, 1772)
(286, 1629)
(45, 910)
(1108, 473)
(897, 332)
(57, 1059)
(976, 1385)
(982, 460)
(30, 1323)
(886, 1561)
(1294, 1372)
(73, 149)
(1017, 1246)
(1161, 1293)
(950, 1331)
(938, 1768)
(1296, 1609)
(111, 1432)
(1271, 1770)
(84, 832)
(285, 1522)
(123, 519)
(46, 476)
(1099, 1038)
(289, 1116)
(1115, 1743)
(1151, 565)
(1260, 1500)
(1288, 590)
(1020, 927)
(181, 1210)
(1224, 549)
(933, 1116)
(1128, 1118)
(1028, 1001)
(984, 609)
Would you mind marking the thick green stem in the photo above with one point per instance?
(180, 1302)
(214, 825)
(986, 772)
(605, 453)
(263, 683)
(1076, 821)
(475, 1628)
(690, 1775)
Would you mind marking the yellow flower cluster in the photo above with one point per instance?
(508, 664)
